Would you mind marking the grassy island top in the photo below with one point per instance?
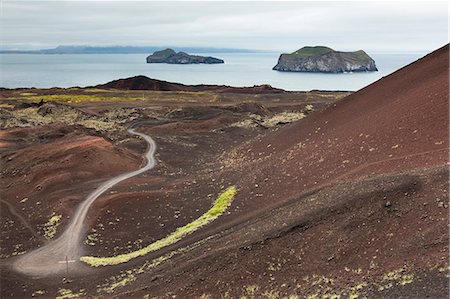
(312, 51)
(357, 56)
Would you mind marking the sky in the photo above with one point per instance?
(375, 26)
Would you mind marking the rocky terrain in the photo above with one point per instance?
(254, 195)
(172, 57)
(321, 59)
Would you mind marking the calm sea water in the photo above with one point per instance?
(242, 69)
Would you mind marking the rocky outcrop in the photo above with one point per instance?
(325, 60)
(145, 83)
(172, 57)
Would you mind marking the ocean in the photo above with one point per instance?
(240, 69)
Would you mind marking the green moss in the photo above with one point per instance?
(51, 226)
(271, 294)
(309, 108)
(91, 239)
(312, 51)
(120, 283)
(395, 277)
(220, 205)
(68, 294)
(18, 250)
(250, 291)
(38, 293)
(116, 281)
(406, 279)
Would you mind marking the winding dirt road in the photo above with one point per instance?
(50, 259)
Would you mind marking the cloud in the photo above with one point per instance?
(281, 26)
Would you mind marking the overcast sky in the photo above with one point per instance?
(280, 26)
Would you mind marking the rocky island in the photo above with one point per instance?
(321, 59)
(172, 57)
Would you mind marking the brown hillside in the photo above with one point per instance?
(348, 200)
(349, 195)
(396, 124)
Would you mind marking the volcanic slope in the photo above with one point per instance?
(348, 201)
(59, 145)
(351, 201)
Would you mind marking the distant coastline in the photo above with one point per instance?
(124, 50)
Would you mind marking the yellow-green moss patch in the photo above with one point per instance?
(220, 205)
(51, 226)
(130, 275)
(395, 277)
(120, 283)
(255, 120)
(67, 294)
(38, 293)
(91, 239)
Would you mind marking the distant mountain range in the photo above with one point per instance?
(122, 50)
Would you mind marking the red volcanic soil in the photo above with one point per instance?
(385, 148)
(396, 124)
(145, 83)
(351, 201)
(50, 173)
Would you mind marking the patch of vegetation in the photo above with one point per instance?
(67, 294)
(34, 118)
(76, 98)
(95, 90)
(271, 294)
(125, 280)
(357, 56)
(395, 277)
(312, 51)
(51, 226)
(51, 113)
(282, 118)
(131, 274)
(319, 286)
(38, 293)
(309, 107)
(444, 269)
(220, 205)
(250, 292)
(6, 106)
(98, 125)
(91, 239)
(18, 250)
